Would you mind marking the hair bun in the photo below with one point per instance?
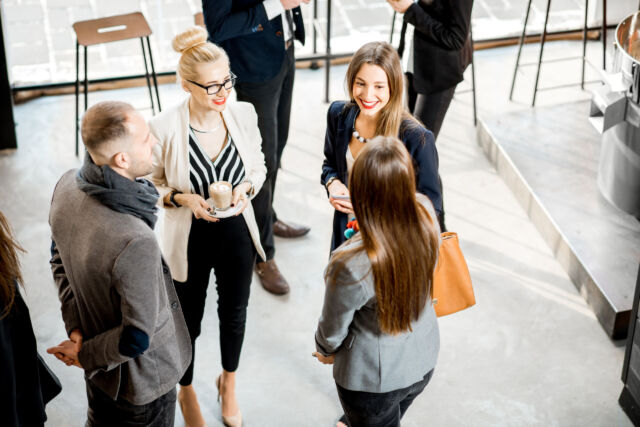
(190, 38)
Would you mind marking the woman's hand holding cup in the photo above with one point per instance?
(240, 196)
(337, 188)
(197, 204)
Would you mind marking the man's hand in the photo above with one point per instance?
(67, 351)
(327, 360)
(292, 4)
(400, 6)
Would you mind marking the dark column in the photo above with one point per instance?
(7, 123)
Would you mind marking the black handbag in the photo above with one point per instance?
(50, 385)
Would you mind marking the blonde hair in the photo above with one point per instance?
(194, 48)
(383, 55)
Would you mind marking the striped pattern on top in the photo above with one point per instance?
(203, 171)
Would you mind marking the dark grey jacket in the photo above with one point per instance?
(110, 274)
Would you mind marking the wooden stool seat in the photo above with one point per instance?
(112, 29)
(107, 30)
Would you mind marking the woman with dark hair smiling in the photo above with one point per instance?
(378, 326)
(375, 85)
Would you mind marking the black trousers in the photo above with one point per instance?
(225, 247)
(272, 101)
(105, 412)
(364, 409)
(431, 109)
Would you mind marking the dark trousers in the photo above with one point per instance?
(364, 409)
(272, 101)
(227, 248)
(105, 412)
(431, 109)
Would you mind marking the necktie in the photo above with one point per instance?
(287, 13)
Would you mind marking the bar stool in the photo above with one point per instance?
(107, 30)
(543, 39)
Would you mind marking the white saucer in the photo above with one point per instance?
(226, 213)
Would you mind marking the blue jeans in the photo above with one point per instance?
(363, 409)
(103, 411)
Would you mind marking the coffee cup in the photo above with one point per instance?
(221, 194)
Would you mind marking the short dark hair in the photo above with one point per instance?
(104, 122)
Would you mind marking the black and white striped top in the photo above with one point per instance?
(203, 171)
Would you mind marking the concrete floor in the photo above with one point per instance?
(529, 353)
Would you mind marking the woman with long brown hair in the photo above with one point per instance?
(378, 326)
(374, 82)
(23, 398)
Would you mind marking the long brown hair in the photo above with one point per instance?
(9, 266)
(383, 55)
(397, 233)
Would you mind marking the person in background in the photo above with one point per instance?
(22, 393)
(258, 36)
(119, 306)
(378, 327)
(440, 53)
(205, 139)
(375, 86)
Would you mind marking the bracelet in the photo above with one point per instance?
(329, 181)
(173, 200)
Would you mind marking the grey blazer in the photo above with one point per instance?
(110, 273)
(367, 359)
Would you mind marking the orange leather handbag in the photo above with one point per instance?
(452, 290)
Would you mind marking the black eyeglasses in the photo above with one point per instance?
(215, 88)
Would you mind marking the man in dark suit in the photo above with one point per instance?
(440, 52)
(258, 37)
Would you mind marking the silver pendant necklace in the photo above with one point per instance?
(208, 131)
(360, 138)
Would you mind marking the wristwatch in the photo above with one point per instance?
(329, 181)
(173, 200)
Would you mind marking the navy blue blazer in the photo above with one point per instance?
(419, 142)
(254, 44)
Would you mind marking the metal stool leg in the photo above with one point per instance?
(86, 80)
(393, 27)
(146, 73)
(524, 29)
(584, 42)
(473, 80)
(153, 74)
(544, 36)
(77, 94)
(604, 34)
(327, 70)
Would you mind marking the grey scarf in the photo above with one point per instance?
(137, 198)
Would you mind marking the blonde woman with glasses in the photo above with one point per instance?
(206, 139)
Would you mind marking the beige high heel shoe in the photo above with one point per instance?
(233, 420)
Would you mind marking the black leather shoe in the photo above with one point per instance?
(271, 278)
(289, 229)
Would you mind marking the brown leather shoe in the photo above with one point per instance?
(289, 229)
(271, 278)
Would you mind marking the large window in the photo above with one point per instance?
(41, 42)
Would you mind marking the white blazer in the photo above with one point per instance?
(171, 172)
